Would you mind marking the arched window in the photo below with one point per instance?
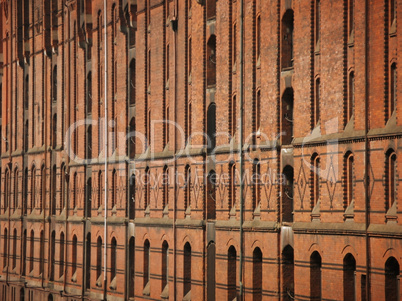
(87, 261)
(113, 249)
(42, 253)
(54, 84)
(258, 37)
(392, 272)
(131, 266)
(232, 185)
(287, 39)
(288, 271)
(165, 185)
(132, 82)
(211, 127)
(89, 143)
(25, 192)
(211, 195)
(232, 116)
(26, 135)
(287, 117)
(33, 187)
(351, 97)
(187, 194)
(32, 250)
(234, 43)
(23, 253)
(167, 60)
(211, 60)
(88, 192)
(391, 178)
(287, 194)
(52, 254)
(53, 190)
(5, 248)
(315, 276)
(316, 104)
(189, 122)
(349, 179)
(211, 273)
(98, 258)
(61, 255)
(147, 250)
(257, 113)
(54, 22)
(63, 187)
(54, 131)
(315, 180)
(257, 274)
(165, 265)
(16, 189)
(14, 264)
(187, 271)
(6, 190)
(132, 197)
(149, 134)
(74, 255)
(132, 138)
(232, 273)
(100, 189)
(132, 16)
(42, 188)
(256, 184)
(114, 183)
(349, 278)
(89, 93)
(26, 92)
(147, 188)
(75, 196)
(393, 90)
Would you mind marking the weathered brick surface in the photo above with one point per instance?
(281, 223)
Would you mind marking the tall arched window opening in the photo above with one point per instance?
(392, 272)
(349, 278)
(232, 273)
(211, 61)
(187, 270)
(165, 265)
(257, 274)
(315, 276)
(287, 39)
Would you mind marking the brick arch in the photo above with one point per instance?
(186, 239)
(145, 237)
(390, 252)
(165, 237)
(349, 249)
(112, 234)
(232, 242)
(99, 233)
(256, 244)
(315, 247)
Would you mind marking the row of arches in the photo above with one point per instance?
(349, 281)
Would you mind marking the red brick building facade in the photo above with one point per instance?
(297, 199)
